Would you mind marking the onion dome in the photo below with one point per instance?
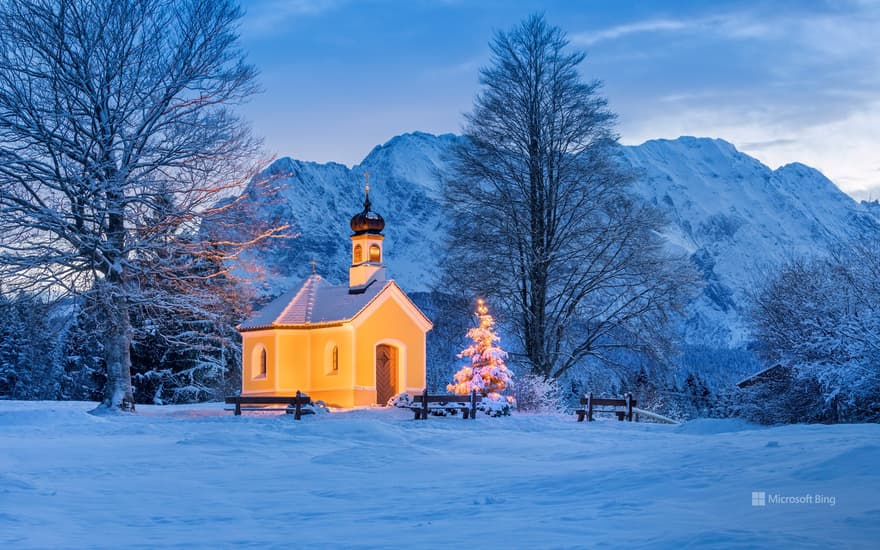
(367, 221)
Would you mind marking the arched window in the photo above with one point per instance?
(358, 254)
(260, 363)
(375, 254)
(331, 359)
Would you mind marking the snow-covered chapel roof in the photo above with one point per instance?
(315, 302)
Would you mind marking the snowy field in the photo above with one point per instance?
(194, 476)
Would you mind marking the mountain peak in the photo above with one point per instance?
(288, 165)
(691, 146)
(801, 170)
(411, 142)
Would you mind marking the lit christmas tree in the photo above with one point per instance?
(487, 372)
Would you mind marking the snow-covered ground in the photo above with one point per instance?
(194, 476)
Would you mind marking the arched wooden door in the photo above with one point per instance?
(386, 373)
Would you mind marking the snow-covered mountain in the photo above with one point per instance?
(737, 218)
(734, 216)
(320, 199)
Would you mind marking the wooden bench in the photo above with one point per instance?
(467, 405)
(294, 404)
(623, 408)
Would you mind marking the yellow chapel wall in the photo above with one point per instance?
(389, 324)
(304, 363)
(293, 359)
(299, 359)
(251, 344)
(334, 387)
(289, 355)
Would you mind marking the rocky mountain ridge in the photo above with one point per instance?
(732, 215)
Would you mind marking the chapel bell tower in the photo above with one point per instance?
(366, 246)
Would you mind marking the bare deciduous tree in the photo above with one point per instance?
(544, 220)
(116, 142)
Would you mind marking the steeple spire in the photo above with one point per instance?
(367, 191)
(366, 244)
(367, 221)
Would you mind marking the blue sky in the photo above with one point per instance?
(784, 81)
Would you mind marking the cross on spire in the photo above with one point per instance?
(367, 189)
(314, 266)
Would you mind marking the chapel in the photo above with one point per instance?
(349, 345)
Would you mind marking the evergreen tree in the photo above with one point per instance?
(487, 373)
(698, 394)
(84, 372)
(11, 328)
(185, 346)
(30, 356)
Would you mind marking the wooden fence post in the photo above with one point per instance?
(425, 405)
(590, 407)
(473, 404)
(629, 407)
(298, 414)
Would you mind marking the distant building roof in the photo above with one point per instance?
(316, 302)
(775, 373)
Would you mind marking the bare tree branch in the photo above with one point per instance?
(117, 141)
(545, 223)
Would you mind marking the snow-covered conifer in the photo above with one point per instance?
(487, 373)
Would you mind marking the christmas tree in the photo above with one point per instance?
(487, 372)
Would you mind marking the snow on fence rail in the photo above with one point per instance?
(654, 416)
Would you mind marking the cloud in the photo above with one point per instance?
(468, 67)
(797, 84)
(660, 25)
(770, 144)
(848, 29)
(733, 25)
(843, 148)
(268, 16)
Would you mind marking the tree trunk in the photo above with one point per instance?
(117, 352)
(118, 148)
(117, 322)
